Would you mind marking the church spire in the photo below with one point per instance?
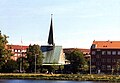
(50, 37)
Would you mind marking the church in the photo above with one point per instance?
(53, 54)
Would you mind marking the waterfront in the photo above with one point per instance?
(47, 81)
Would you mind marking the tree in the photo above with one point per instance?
(10, 66)
(34, 52)
(117, 67)
(23, 64)
(77, 61)
(5, 54)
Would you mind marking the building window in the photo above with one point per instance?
(109, 60)
(12, 50)
(15, 50)
(103, 67)
(18, 50)
(98, 63)
(97, 56)
(113, 60)
(19, 54)
(103, 52)
(103, 60)
(118, 52)
(15, 55)
(118, 60)
(113, 52)
(23, 50)
(98, 49)
(108, 52)
(93, 60)
(93, 52)
(108, 67)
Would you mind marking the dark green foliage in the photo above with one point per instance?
(4, 53)
(32, 52)
(77, 61)
(23, 64)
(9, 66)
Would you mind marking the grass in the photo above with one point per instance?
(76, 77)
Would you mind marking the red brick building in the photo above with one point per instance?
(17, 50)
(105, 56)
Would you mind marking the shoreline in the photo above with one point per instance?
(71, 77)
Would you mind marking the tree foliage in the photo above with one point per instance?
(10, 66)
(5, 54)
(22, 64)
(32, 52)
(77, 61)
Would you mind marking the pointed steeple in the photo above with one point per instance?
(50, 37)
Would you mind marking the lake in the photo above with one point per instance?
(47, 81)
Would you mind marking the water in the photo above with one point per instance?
(46, 81)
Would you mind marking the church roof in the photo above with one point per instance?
(52, 54)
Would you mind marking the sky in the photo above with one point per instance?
(76, 23)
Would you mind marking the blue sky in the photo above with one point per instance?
(76, 22)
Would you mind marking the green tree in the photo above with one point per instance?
(22, 64)
(10, 66)
(5, 54)
(77, 61)
(32, 52)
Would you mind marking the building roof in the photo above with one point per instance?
(17, 47)
(106, 44)
(52, 55)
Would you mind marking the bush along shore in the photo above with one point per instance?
(75, 77)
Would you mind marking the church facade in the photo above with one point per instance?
(53, 54)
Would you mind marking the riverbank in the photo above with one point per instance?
(75, 77)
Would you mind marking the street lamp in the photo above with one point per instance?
(21, 63)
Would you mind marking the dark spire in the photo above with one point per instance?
(50, 37)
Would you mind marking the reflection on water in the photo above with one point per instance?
(46, 81)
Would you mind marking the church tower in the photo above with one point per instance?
(50, 37)
(52, 54)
